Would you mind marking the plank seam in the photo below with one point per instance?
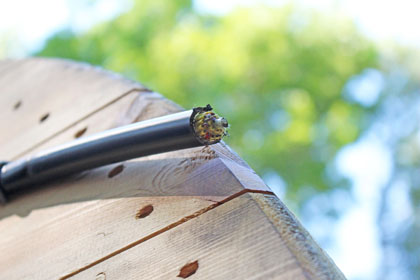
(165, 229)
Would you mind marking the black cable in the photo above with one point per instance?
(188, 129)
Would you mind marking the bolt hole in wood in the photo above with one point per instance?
(17, 105)
(144, 212)
(44, 117)
(115, 171)
(100, 276)
(80, 132)
(188, 269)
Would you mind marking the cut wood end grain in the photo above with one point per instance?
(316, 263)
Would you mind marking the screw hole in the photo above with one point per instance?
(188, 269)
(100, 276)
(17, 105)
(80, 132)
(144, 212)
(115, 171)
(44, 117)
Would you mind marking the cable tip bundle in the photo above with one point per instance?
(209, 127)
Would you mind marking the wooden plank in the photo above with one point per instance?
(111, 116)
(101, 213)
(232, 241)
(133, 107)
(45, 96)
(102, 205)
(312, 259)
(78, 236)
(195, 177)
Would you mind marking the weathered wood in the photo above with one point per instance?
(42, 99)
(96, 219)
(313, 260)
(78, 226)
(233, 241)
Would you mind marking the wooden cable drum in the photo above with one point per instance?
(199, 213)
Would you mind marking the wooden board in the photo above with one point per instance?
(44, 98)
(97, 219)
(232, 241)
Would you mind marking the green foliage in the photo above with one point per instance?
(277, 75)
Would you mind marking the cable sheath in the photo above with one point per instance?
(164, 134)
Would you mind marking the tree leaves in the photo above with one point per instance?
(277, 74)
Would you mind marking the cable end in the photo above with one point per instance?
(209, 128)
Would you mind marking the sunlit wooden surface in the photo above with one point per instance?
(200, 213)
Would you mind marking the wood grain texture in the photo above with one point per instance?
(232, 241)
(85, 232)
(58, 92)
(313, 260)
(102, 205)
(96, 219)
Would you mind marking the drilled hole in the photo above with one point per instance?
(117, 170)
(144, 212)
(44, 117)
(80, 132)
(100, 276)
(17, 105)
(188, 269)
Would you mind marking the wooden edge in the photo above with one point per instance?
(68, 63)
(315, 261)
